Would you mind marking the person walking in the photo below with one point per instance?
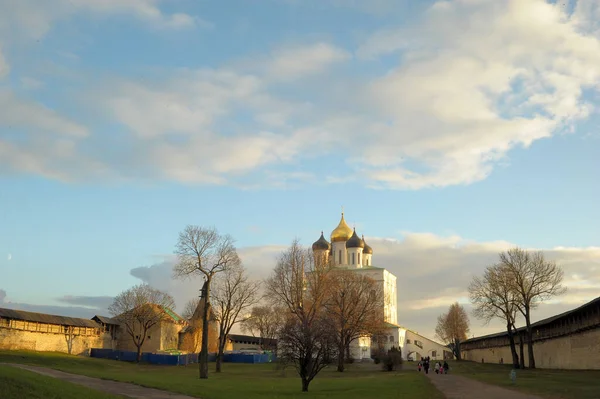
(445, 367)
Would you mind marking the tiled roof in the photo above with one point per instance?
(46, 318)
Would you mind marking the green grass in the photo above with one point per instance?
(246, 381)
(17, 383)
(567, 384)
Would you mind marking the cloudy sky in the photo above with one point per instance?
(448, 130)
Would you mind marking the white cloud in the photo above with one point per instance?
(479, 78)
(294, 62)
(473, 81)
(29, 83)
(32, 19)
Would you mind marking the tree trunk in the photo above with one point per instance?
(305, 383)
(203, 358)
(529, 338)
(513, 349)
(341, 357)
(218, 362)
(139, 354)
(457, 349)
(220, 354)
(521, 351)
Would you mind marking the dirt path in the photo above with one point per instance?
(458, 387)
(113, 387)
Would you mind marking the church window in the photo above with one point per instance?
(340, 258)
(353, 258)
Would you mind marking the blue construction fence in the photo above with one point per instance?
(180, 360)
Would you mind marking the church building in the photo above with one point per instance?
(349, 251)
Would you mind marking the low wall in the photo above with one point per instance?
(579, 351)
(177, 360)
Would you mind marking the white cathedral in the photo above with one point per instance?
(349, 251)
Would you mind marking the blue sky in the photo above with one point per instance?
(448, 130)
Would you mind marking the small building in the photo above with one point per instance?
(242, 343)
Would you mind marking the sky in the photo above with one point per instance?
(448, 131)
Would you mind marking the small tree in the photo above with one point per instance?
(190, 308)
(306, 339)
(533, 280)
(265, 322)
(492, 297)
(392, 359)
(138, 309)
(452, 327)
(69, 337)
(354, 304)
(204, 252)
(232, 296)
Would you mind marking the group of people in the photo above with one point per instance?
(439, 368)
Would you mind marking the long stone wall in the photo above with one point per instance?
(580, 351)
(18, 339)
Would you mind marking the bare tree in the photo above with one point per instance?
(69, 337)
(140, 308)
(190, 308)
(306, 339)
(452, 327)
(533, 280)
(204, 252)
(355, 306)
(492, 297)
(233, 295)
(265, 322)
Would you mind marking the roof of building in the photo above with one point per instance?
(46, 318)
(542, 322)
(321, 244)
(251, 339)
(342, 232)
(105, 320)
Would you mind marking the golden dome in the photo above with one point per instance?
(342, 232)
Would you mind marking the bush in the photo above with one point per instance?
(392, 359)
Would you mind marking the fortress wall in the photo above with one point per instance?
(16, 339)
(576, 351)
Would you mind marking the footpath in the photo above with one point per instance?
(458, 387)
(113, 387)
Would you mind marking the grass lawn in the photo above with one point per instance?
(568, 384)
(16, 384)
(245, 381)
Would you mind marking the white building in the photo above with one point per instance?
(349, 251)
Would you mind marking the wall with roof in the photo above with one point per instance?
(416, 346)
(161, 336)
(576, 351)
(22, 335)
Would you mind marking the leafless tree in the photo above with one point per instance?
(233, 296)
(264, 322)
(204, 252)
(138, 309)
(533, 280)
(69, 337)
(354, 305)
(306, 339)
(452, 327)
(190, 308)
(492, 297)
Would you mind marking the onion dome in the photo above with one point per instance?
(321, 244)
(367, 250)
(355, 241)
(342, 232)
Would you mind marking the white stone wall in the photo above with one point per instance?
(416, 346)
